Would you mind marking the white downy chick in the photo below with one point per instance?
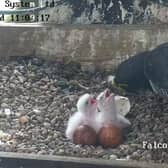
(108, 111)
(85, 115)
(105, 115)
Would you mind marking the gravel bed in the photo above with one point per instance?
(45, 95)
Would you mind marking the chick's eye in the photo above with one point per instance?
(87, 103)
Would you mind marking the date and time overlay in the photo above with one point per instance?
(12, 10)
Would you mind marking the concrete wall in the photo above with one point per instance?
(92, 44)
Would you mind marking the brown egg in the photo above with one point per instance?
(110, 136)
(85, 135)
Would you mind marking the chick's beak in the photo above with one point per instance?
(93, 101)
(107, 93)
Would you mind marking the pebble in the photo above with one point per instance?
(61, 151)
(7, 111)
(4, 105)
(39, 119)
(52, 145)
(135, 155)
(44, 132)
(2, 114)
(99, 152)
(5, 100)
(42, 152)
(113, 157)
(106, 157)
(21, 108)
(12, 85)
(4, 136)
(37, 111)
(53, 121)
(46, 125)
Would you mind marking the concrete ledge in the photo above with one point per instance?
(101, 45)
(15, 160)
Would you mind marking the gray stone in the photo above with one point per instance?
(113, 157)
(4, 105)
